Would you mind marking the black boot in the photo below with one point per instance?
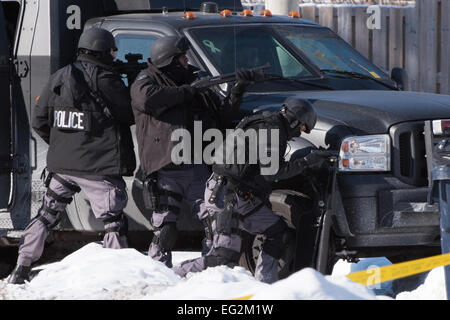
(19, 275)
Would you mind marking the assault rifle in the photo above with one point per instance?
(132, 67)
(229, 77)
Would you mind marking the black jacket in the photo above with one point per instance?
(160, 107)
(88, 133)
(248, 176)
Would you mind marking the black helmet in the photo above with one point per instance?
(97, 39)
(165, 49)
(299, 112)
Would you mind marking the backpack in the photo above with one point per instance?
(230, 168)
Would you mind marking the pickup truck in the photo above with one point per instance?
(371, 202)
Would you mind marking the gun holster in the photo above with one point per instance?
(225, 220)
(150, 193)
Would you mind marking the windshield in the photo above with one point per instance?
(283, 47)
(229, 48)
(327, 51)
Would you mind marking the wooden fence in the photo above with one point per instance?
(414, 38)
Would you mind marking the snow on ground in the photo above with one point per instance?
(95, 273)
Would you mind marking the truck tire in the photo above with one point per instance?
(289, 205)
(8, 261)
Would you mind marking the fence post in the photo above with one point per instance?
(362, 32)
(345, 23)
(326, 16)
(395, 38)
(308, 12)
(380, 41)
(427, 10)
(445, 47)
(412, 47)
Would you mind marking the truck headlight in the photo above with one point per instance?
(365, 153)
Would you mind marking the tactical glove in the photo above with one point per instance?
(244, 77)
(317, 158)
(189, 91)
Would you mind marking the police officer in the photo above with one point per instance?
(163, 100)
(237, 196)
(84, 114)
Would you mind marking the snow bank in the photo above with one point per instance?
(93, 272)
(432, 289)
(97, 273)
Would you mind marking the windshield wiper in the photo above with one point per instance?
(269, 77)
(357, 75)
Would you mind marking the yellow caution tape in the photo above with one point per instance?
(377, 275)
(399, 270)
(244, 298)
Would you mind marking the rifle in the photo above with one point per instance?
(132, 67)
(229, 77)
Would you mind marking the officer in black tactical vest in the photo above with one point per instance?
(84, 114)
(163, 100)
(237, 195)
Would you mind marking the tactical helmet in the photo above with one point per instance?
(97, 39)
(299, 112)
(165, 49)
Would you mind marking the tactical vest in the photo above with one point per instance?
(84, 137)
(239, 173)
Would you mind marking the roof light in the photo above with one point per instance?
(226, 13)
(247, 13)
(294, 14)
(209, 7)
(189, 15)
(266, 13)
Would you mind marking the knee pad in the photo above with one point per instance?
(167, 236)
(121, 226)
(276, 241)
(222, 256)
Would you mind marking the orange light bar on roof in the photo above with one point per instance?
(189, 15)
(266, 13)
(247, 13)
(226, 13)
(294, 14)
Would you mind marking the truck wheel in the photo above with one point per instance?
(8, 261)
(288, 204)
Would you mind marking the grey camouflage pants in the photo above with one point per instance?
(107, 195)
(257, 222)
(189, 183)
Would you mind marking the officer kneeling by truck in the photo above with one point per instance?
(237, 195)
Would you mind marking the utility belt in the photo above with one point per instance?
(244, 192)
(227, 220)
(156, 199)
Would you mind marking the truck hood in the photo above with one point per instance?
(362, 112)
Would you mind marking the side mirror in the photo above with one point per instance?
(400, 76)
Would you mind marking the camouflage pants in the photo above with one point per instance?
(255, 218)
(188, 184)
(107, 195)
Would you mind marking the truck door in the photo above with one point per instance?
(6, 162)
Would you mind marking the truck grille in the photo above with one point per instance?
(409, 160)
